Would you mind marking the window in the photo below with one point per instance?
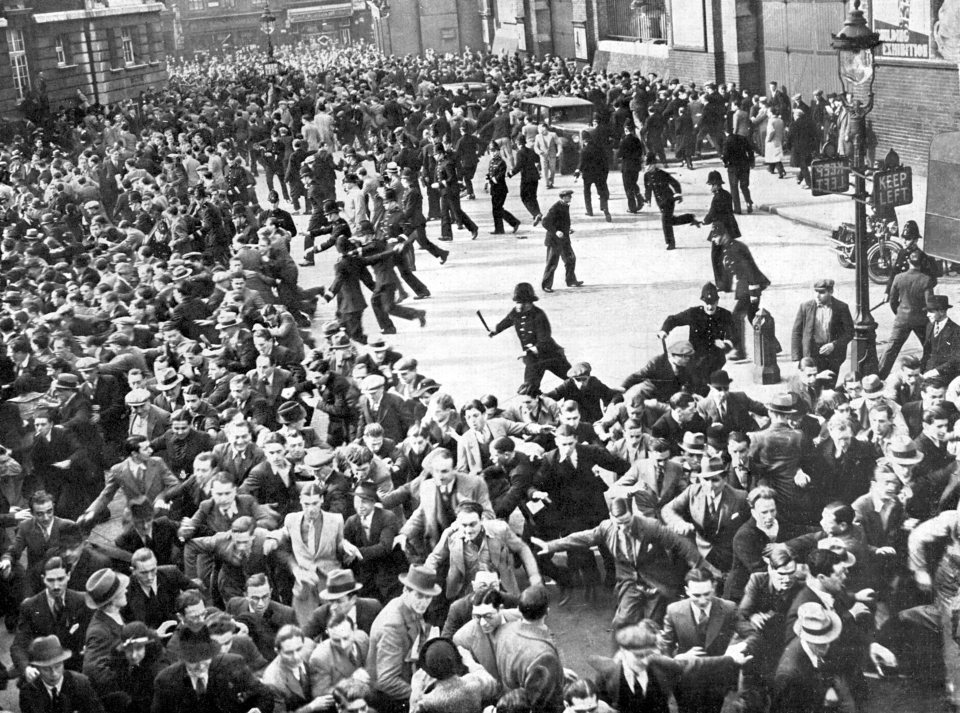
(18, 62)
(637, 20)
(126, 41)
(63, 50)
(196, 4)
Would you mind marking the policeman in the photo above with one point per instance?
(557, 224)
(711, 329)
(666, 189)
(540, 352)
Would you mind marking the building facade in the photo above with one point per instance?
(72, 50)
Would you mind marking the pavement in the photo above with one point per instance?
(631, 284)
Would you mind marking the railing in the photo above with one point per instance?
(626, 21)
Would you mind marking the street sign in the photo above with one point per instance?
(829, 175)
(893, 187)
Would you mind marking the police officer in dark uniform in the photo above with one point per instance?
(711, 329)
(540, 352)
(392, 224)
(927, 265)
(594, 169)
(329, 228)
(667, 191)
(557, 224)
(631, 163)
(448, 181)
(721, 207)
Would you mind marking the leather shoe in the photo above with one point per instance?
(517, 227)
(474, 233)
(578, 283)
(537, 219)
(423, 319)
(548, 289)
(422, 297)
(443, 256)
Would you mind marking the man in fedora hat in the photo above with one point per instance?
(941, 341)
(910, 296)
(372, 529)
(786, 459)
(396, 637)
(710, 329)
(106, 594)
(557, 224)
(823, 329)
(804, 677)
(712, 510)
(55, 689)
(540, 352)
(340, 598)
(204, 680)
(721, 214)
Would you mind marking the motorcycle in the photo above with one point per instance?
(883, 246)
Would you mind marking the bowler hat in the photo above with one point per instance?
(938, 303)
(340, 583)
(720, 378)
(817, 625)
(423, 579)
(784, 402)
(714, 177)
(47, 651)
(102, 585)
(523, 292)
(331, 207)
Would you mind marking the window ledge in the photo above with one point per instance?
(72, 65)
(155, 63)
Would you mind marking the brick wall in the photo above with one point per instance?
(914, 101)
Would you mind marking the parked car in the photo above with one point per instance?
(569, 117)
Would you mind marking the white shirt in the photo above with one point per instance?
(54, 690)
(698, 614)
(636, 677)
(230, 512)
(195, 679)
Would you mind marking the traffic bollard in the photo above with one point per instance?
(765, 349)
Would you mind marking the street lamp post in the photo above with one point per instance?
(855, 45)
(268, 24)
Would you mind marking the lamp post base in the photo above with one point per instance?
(863, 349)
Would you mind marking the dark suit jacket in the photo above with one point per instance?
(239, 468)
(231, 688)
(153, 611)
(29, 537)
(798, 687)
(36, 619)
(665, 382)
(76, 696)
(908, 297)
(649, 501)
(266, 486)
(391, 414)
(262, 629)
(848, 478)
(381, 563)
(871, 522)
(163, 540)
(103, 635)
(680, 630)
(669, 430)
(576, 493)
(840, 330)
(208, 520)
(716, 543)
(738, 415)
(367, 610)
(748, 546)
(943, 352)
(589, 398)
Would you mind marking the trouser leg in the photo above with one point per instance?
(497, 199)
(604, 193)
(734, 179)
(553, 259)
(446, 218)
(528, 194)
(414, 282)
(898, 336)
(381, 310)
(743, 173)
(569, 261)
(424, 242)
(587, 197)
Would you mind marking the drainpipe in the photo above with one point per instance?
(93, 69)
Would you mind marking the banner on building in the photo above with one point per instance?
(918, 29)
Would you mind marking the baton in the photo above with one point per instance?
(483, 321)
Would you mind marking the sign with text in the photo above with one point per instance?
(829, 175)
(892, 188)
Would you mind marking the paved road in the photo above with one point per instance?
(631, 284)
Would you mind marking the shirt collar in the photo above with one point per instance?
(698, 614)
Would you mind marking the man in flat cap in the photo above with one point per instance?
(711, 329)
(670, 372)
(823, 329)
(557, 224)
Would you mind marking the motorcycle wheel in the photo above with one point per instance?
(844, 260)
(881, 257)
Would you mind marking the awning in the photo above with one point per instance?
(314, 13)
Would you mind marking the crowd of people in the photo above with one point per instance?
(309, 523)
